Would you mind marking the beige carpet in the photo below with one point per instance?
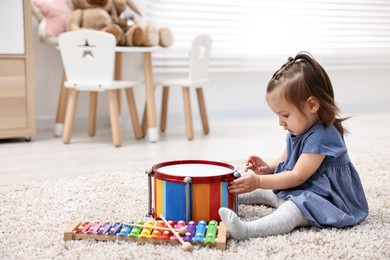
(33, 217)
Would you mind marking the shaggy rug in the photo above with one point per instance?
(33, 216)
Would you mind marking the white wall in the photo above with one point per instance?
(229, 95)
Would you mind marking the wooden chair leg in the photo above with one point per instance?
(202, 110)
(188, 113)
(144, 124)
(119, 97)
(69, 117)
(138, 133)
(61, 108)
(164, 109)
(114, 117)
(92, 113)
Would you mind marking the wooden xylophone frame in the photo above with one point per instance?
(70, 234)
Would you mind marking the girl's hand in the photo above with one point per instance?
(256, 164)
(247, 183)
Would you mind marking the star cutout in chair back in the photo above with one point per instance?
(87, 49)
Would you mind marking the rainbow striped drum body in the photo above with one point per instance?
(191, 189)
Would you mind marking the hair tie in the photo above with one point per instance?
(289, 63)
(285, 66)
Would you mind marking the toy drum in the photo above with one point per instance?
(191, 189)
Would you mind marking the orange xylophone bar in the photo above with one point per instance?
(79, 230)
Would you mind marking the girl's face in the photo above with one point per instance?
(290, 118)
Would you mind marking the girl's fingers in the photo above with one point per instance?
(248, 167)
(236, 190)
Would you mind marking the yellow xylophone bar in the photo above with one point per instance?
(71, 234)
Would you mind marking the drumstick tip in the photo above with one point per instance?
(186, 246)
(182, 231)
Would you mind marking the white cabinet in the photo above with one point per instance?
(11, 27)
(17, 108)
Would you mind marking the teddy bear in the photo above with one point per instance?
(123, 15)
(52, 16)
(128, 11)
(95, 15)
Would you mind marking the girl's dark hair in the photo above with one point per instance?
(302, 77)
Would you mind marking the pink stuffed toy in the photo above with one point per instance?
(52, 16)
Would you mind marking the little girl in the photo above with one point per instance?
(313, 182)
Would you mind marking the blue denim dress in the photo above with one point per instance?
(333, 196)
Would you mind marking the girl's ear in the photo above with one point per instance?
(313, 104)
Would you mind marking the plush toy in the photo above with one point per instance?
(125, 18)
(122, 18)
(52, 16)
(94, 15)
(129, 12)
(165, 37)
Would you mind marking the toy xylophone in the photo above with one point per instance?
(156, 231)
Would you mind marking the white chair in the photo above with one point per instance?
(198, 76)
(88, 57)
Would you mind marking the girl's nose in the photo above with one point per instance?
(281, 122)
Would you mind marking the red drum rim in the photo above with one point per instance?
(229, 176)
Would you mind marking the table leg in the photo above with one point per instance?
(61, 108)
(118, 75)
(152, 131)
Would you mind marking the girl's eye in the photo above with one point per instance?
(285, 116)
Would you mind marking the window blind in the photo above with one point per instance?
(261, 34)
